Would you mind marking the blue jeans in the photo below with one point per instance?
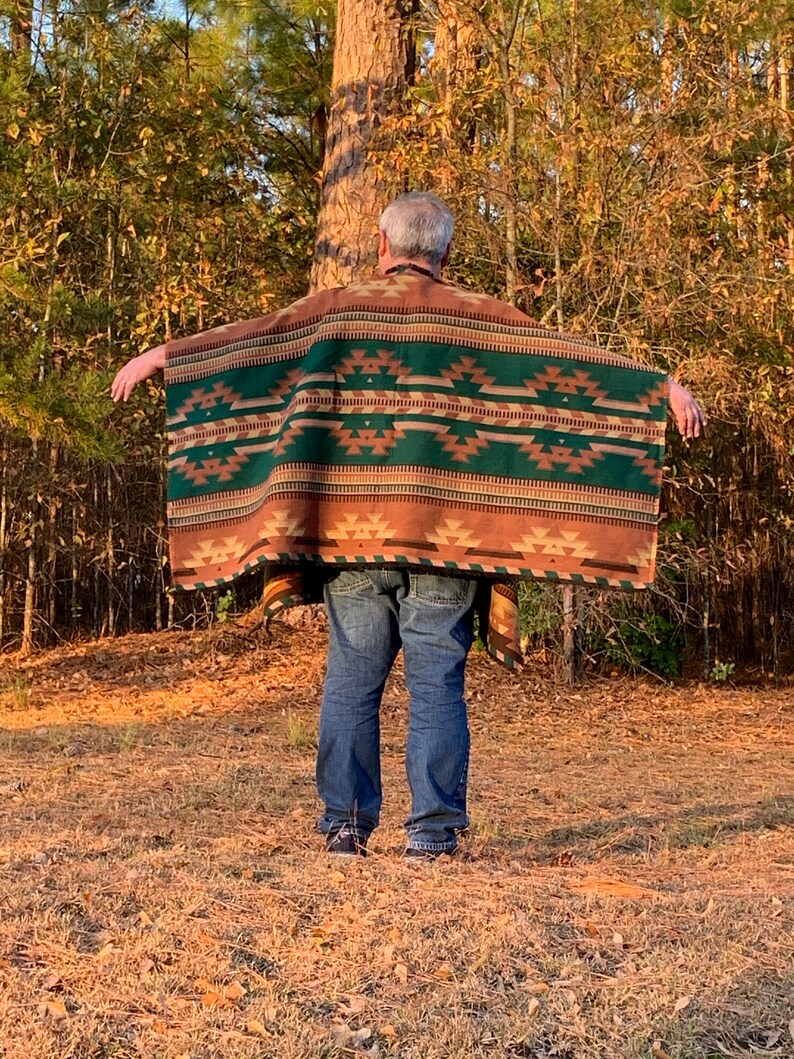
(371, 614)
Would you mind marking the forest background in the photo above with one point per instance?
(622, 170)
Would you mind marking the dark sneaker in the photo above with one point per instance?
(418, 855)
(344, 843)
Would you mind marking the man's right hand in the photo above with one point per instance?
(135, 371)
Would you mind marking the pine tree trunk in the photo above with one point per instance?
(3, 531)
(21, 30)
(29, 613)
(111, 556)
(571, 597)
(51, 568)
(367, 88)
(454, 63)
(509, 157)
(31, 543)
(74, 608)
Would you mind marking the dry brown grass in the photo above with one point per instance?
(626, 888)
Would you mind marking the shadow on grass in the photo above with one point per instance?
(700, 826)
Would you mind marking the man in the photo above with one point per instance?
(383, 405)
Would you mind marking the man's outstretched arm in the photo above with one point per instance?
(688, 414)
(135, 371)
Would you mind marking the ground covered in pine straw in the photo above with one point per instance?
(626, 889)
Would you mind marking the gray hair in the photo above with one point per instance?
(418, 225)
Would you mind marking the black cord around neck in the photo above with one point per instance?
(408, 267)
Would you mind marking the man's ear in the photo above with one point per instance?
(383, 244)
(447, 253)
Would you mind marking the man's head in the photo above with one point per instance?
(415, 227)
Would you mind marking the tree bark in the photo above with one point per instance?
(21, 30)
(29, 612)
(367, 88)
(3, 531)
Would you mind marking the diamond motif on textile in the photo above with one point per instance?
(642, 558)
(280, 524)
(546, 458)
(395, 286)
(467, 367)
(219, 469)
(355, 441)
(293, 431)
(214, 552)
(577, 382)
(542, 541)
(460, 448)
(472, 299)
(361, 528)
(655, 395)
(365, 362)
(287, 382)
(452, 531)
(203, 398)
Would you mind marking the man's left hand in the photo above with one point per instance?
(688, 414)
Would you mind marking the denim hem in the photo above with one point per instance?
(333, 827)
(433, 847)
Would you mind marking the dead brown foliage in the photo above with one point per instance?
(625, 890)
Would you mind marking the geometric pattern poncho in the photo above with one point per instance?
(402, 421)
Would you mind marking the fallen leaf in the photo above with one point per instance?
(388, 1031)
(617, 939)
(682, 1002)
(444, 973)
(211, 995)
(533, 1007)
(611, 888)
(658, 1052)
(257, 1028)
(591, 929)
(234, 991)
(144, 967)
(52, 981)
(401, 972)
(54, 1010)
(353, 1005)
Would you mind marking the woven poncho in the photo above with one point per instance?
(401, 421)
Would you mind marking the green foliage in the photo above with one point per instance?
(224, 608)
(647, 642)
(722, 671)
(539, 609)
(300, 734)
(156, 179)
